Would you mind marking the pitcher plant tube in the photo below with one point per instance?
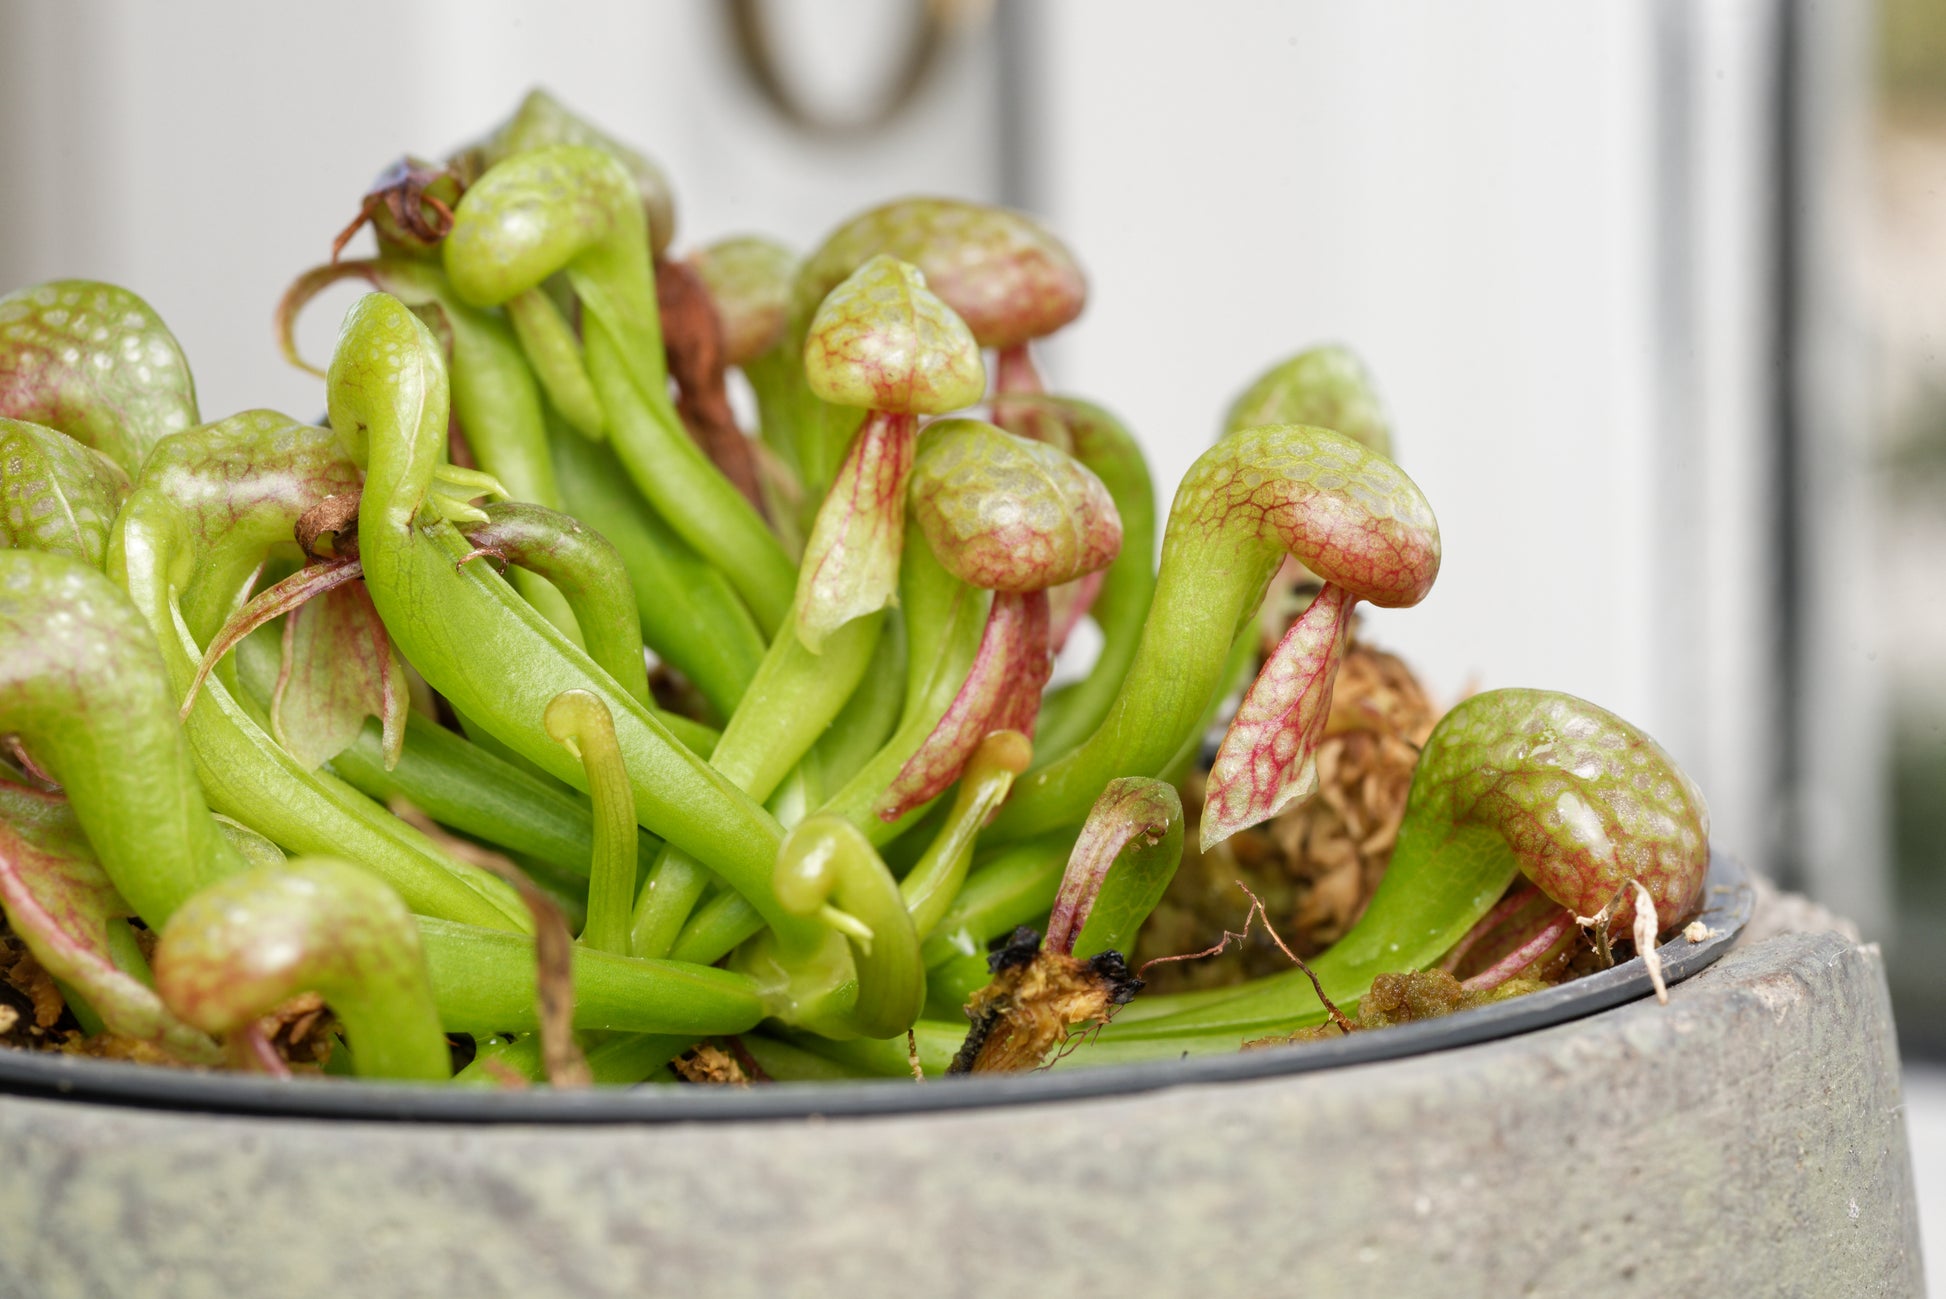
(574, 210)
(1004, 273)
(883, 343)
(1512, 783)
(535, 638)
(1351, 515)
(94, 361)
(237, 950)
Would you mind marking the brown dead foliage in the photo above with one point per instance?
(692, 340)
(1038, 1002)
(113, 1046)
(1428, 994)
(1315, 866)
(335, 517)
(25, 976)
(301, 1030)
(34, 1017)
(710, 1064)
(675, 693)
(1405, 999)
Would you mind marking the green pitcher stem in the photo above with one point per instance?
(579, 721)
(574, 210)
(555, 354)
(935, 880)
(587, 572)
(827, 869)
(1101, 443)
(472, 638)
(461, 785)
(790, 702)
(83, 687)
(1244, 505)
(496, 401)
(250, 776)
(484, 982)
(944, 620)
(691, 616)
(242, 947)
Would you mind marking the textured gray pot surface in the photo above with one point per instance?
(1747, 1138)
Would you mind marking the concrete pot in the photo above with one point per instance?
(1747, 1137)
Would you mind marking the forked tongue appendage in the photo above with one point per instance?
(1001, 693)
(1268, 758)
(883, 343)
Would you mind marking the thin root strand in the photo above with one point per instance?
(1257, 909)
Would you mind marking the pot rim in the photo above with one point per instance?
(1729, 900)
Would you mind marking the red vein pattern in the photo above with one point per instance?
(97, 363)
(1353, 518)
(1007, 514)
(1005, 274)
(883, 341)
(1268, 759)
(851, 562)
(292, 593)
(247, 478)
(1001, 693)
(59, 900)
(749, 282)
(1351, 515)
(1130, 808)
(1586, 800)
(337, 670)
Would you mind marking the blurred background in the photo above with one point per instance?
(1656, 290)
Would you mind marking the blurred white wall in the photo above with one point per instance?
(203, 152)
(1544, 225)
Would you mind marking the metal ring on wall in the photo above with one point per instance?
(757, 47)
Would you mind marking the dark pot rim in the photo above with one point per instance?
(1728, 902)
